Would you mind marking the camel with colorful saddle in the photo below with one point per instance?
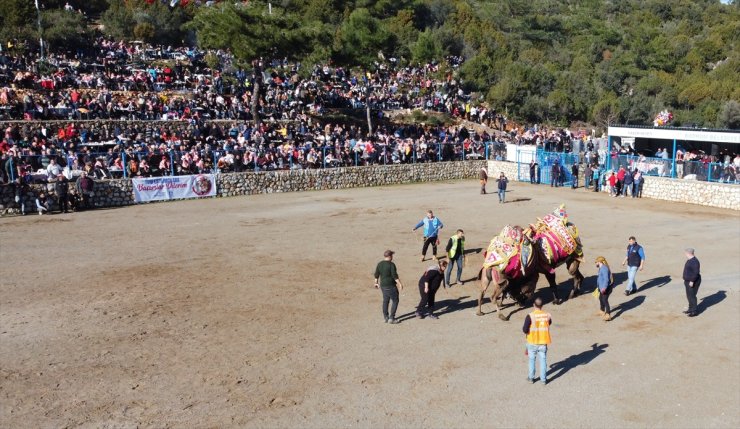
(516, 257)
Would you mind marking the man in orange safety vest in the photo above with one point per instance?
(537, 328)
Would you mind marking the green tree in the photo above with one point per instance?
(427, 47)
(730, 115)
(65, 30)
(17, 21)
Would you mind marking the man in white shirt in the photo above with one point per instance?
(53, 169)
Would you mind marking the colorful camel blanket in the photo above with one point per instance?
(511, 252)
(557, 237)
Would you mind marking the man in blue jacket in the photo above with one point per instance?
(431, 225)
(635, 260)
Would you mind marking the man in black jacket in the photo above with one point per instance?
(691, 281)
(61, 189)
(85, 187)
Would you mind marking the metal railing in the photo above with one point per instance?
(126, 163)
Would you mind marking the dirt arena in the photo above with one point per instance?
(259, 312)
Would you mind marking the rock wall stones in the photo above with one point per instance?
(114, 193)
(686, 191)
(342, 178)
(720, 195)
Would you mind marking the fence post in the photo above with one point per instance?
(123, 159)
(609, 154)
(673, 166)
(172, 163)
(323, 159)
(518, 165)
(12, 170)
(356, 156)
(487, 151)
(439, 151)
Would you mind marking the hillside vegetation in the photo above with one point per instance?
(600, 61)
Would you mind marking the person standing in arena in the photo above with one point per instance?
(555, 175)
(574, 176)
(428, 286)
(537, 329)
(604, 283)
(386, 279)
(431, 225)
(503, 181)
(691, 281)
(456, 255)
(483, 176)
(635, 260)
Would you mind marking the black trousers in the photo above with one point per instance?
(390, 296)
(427, 298)
(691, 294)
(63, 203)
(427, 242)
(604, 300)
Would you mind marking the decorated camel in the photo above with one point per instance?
(516, 257)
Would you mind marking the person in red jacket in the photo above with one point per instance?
(612, 184)
(620, 181)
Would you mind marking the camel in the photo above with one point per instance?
(535, 244)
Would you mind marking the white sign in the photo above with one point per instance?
(668, 134)
(523, 154)
(175, 187)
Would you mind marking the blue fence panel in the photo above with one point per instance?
(556, 165)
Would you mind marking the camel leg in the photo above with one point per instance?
(483, 287)
(553, 288)
(498, 296)
(485, 281)
(573, 270)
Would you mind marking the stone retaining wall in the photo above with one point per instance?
(115, 193)
(720, 195)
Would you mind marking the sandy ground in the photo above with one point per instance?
(258, 312)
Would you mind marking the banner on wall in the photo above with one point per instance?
(173, 188)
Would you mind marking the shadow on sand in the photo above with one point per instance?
(559, 369)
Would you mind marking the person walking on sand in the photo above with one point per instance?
(537, 329)
(483, 176)
(691, 280)
(502, 183)
(604, 283)
(428, 286)
(431, 225)
(635, 260)
(456, 255)
(386, 279)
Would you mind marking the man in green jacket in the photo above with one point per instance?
(386, 279)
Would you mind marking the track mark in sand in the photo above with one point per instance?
(254, 222)
(640, 325)
(43, 219)
(341, 200)
(631, 417)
